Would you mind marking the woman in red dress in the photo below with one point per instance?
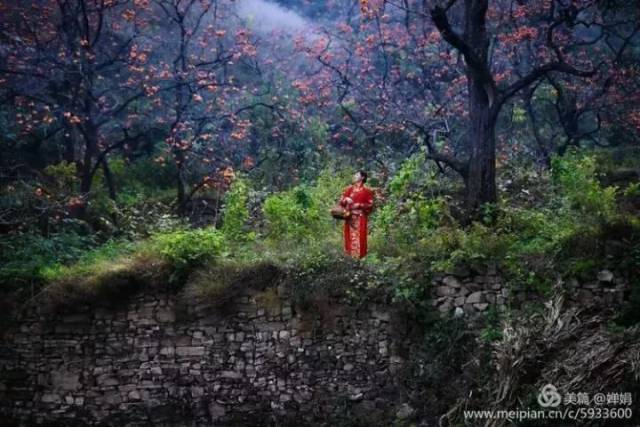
(358, 199)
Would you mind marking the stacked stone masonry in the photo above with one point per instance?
(465, 294)
(258, 360)
(143, 365)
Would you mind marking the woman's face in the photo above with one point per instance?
(356, 177)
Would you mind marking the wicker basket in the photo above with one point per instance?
(338, 212)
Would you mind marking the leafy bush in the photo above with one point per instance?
(145, 178)
(25, 258)
(63, 175)
(302, 213)
(290, 214)
(575, 178)
(236, 211)
(185, 248)
(413, 210)
(181, 249)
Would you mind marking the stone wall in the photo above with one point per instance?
(256, 359)
(159, 361)
(464, 293)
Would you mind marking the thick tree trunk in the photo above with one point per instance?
(481, 173)
(480, 181)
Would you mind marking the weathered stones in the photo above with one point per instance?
(605, 276)
(64, 380)
(190, 351)
(445, 291)
(106, 362)
(451, 281)
(472, 294)
(481, 306)
(50, 398)
(405, 411)
(216, 411)
(475, 297)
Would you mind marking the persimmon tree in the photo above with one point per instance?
(410, 69)
(100, 76)
(539, 39)
(68, 76)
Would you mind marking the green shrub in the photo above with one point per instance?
(492, 330)
(576, 180)
(236, 211)
(187, 248)
(25, 258)
(285, 217)
(413, 210)
(64, 175)
(302, 213)
(106, 275)
(142, 179)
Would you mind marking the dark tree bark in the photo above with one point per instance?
(485, 97)
(108, 179)
(480, 182)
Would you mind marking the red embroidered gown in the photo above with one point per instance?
(355, 227)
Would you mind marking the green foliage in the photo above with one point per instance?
(302, 212)
(475, 246)
(412, 210)
(532, 243)
(286, 217)
(535, 240)
(63, 174)
(142, 179)
(236, 211)
(186, 248)
(533, 236)
(576, 179)
(519, 115)
(414, 176)
(91, 263)
(25, 258)
(632, 190)
(318, 130)
(119, 267)
(492, 330)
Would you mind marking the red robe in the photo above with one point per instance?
(355, 227)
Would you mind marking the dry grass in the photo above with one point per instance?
(106, 282)
(572, 348)
(220, 284)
